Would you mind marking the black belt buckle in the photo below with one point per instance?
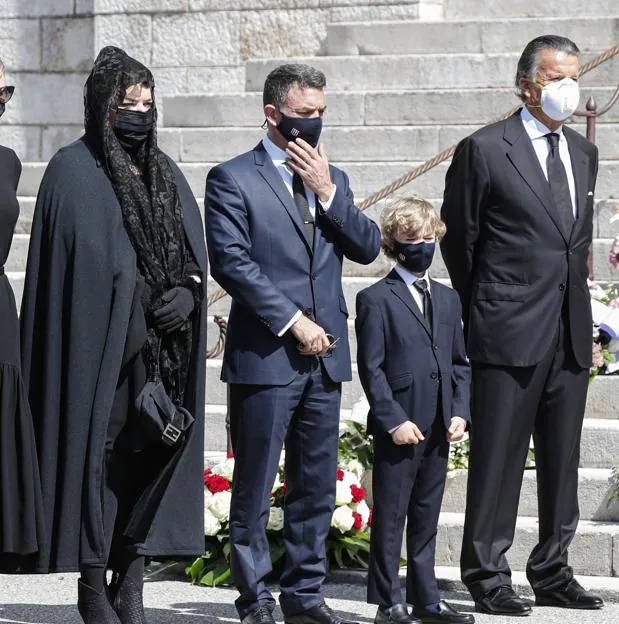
(171, 434)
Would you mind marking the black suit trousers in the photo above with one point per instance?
(304, 415)
(407, 485)
(509, 404)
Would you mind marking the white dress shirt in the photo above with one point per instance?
(410, 279)
(279, 157)
(537, 131)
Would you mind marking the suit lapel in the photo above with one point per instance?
(401, 291)
(273, 179)
(522, 155)
(580, 167)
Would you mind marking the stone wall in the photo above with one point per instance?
(192, 46)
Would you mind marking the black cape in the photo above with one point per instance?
(80, 286)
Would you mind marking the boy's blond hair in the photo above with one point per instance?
(408, 217)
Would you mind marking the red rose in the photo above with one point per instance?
(358, 493)
(207, 473)
(371, 514)
(230, 455)
(358, 521)
(216, 484)
(340, 475)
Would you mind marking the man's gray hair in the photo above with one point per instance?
(279, 81)
(527, 65)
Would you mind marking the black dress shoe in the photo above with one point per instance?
(572, 596)
(320, 614)
(446, 614)
(395, 614)
(261, 615)
(502, 600)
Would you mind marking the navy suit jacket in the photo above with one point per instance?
(404, 370)
(260, 253)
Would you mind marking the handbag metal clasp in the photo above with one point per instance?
(171, 434)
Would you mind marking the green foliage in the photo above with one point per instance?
(356, 443)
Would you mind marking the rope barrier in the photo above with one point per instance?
(437, 160)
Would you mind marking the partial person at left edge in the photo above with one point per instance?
(21, 512)
(113, 328)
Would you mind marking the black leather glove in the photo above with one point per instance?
(178, 305)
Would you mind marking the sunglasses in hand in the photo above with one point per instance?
(6, 93)
(332, 344)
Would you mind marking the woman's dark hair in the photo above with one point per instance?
(282, 78)
(527, 65)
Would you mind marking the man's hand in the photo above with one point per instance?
(313, 167)
(456, 430)
(407, 433)
(312, 338)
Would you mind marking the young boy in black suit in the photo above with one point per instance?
(413, 368)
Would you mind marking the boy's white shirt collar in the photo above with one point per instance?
(409, 278)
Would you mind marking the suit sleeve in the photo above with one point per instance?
(356, 233)
(229, 246)
(386, 412)
(461, 371)
(466, 190)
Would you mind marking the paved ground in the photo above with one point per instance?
(50, 600)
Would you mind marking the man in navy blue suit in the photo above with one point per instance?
(280, 221)
(413, 368)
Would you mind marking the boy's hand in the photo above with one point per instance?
(407, 433)
(456, 430)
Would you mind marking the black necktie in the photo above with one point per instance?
(422, 286)
(300, 199)
(559, 187)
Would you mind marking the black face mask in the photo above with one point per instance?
(306, 128)
(2, 108)
(133, 127)
(416, 257)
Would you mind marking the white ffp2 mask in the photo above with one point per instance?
(560, 99)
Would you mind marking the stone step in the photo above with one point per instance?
(434, 71)
(598, 449)
(415, 37)
(406, 106)
(594, 551)
(485, 9)
(593, 490)
(346, 143)
(365, 178)
(602, 399)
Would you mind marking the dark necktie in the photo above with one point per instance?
(300, 199)
(559, 187)
(422, 286)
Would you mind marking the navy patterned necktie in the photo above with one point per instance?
(300, 199)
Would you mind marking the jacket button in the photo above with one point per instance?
(561, 286)
(434, 375)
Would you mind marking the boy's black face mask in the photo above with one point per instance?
(416, 257)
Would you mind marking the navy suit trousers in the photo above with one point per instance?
(407, 485)
(303, 415)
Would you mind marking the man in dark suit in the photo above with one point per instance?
(414, 371)
(518, 206)
(280, 220)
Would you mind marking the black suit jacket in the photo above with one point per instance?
(260, 253)
(506, 252)
(404, 370)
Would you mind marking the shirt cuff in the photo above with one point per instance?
(394, 429)
(290, 323)
(329, 201)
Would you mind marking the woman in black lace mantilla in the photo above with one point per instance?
(113, 299)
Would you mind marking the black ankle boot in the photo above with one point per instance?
(94, 606)
(127, 599)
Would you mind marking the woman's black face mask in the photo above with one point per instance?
(133, 127)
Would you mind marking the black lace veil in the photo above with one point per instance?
(150, 206)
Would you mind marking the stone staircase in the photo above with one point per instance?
(398, 93)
